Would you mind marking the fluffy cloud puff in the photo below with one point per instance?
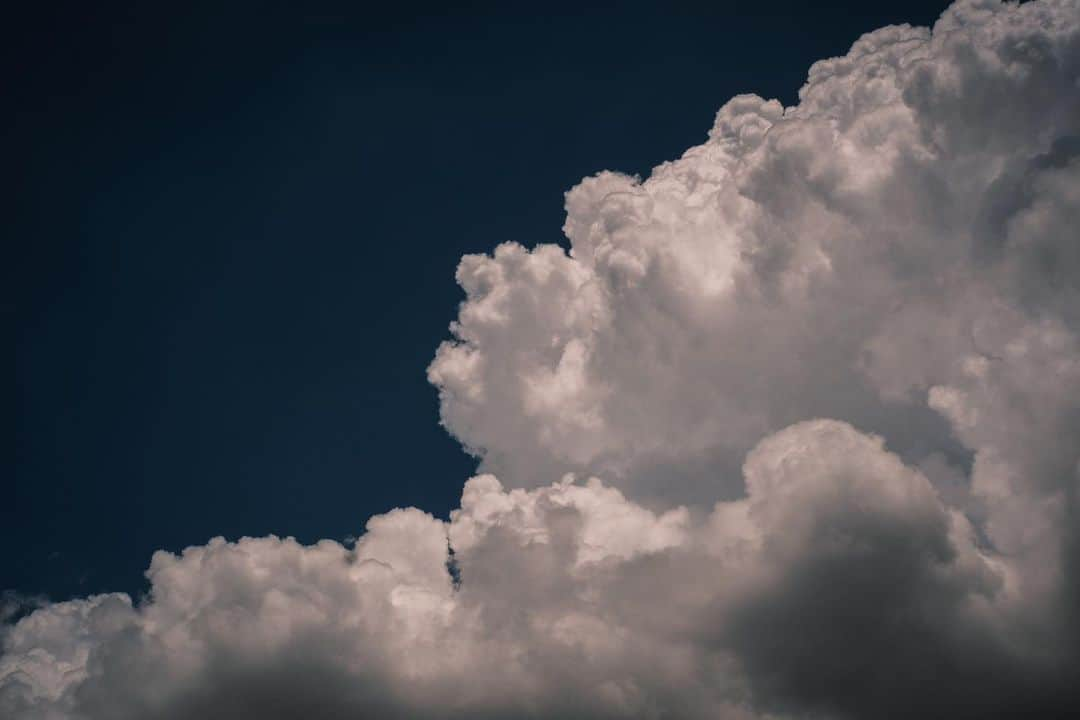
(898, 252)
(570, 601)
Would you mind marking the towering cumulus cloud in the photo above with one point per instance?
(792, 431)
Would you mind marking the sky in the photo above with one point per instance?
(617, 362)
(240, 222)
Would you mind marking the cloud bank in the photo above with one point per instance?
(792, 431)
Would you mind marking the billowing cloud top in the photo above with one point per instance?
(792, 431)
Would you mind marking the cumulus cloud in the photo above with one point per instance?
(791, 431)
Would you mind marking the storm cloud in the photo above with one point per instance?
(793, 430)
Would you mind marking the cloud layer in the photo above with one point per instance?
(792, 431)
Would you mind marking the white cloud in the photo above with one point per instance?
(898, 252)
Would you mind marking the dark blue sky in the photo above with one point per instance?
(233, 234)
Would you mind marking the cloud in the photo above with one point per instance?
(790, 432)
